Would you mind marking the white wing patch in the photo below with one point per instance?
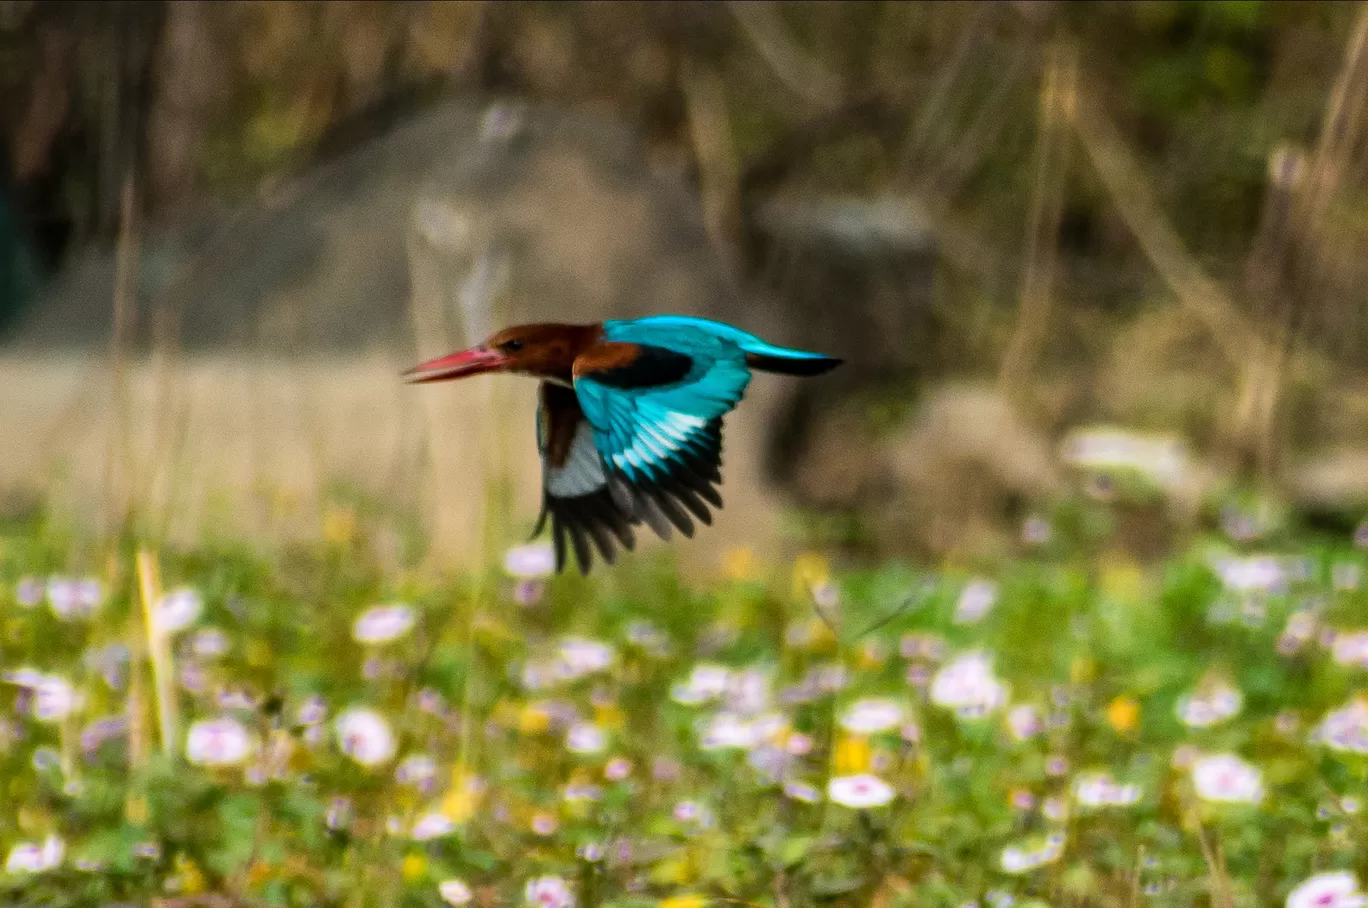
(582, 472)
(658, 438)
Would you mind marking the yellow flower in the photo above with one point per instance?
(609, 716)
(809, 570)
(1123, 714)
(675, 869)
(136, 811)
(1121, 578)
(414, 867)
(192, 880)
(740, 564)
(533, 719)
(691, 900)
(458, 805)
(852, 756)
(462, 797)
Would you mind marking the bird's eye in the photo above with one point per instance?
(511, 346)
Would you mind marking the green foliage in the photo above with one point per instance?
(568, 729)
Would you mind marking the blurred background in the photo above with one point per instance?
(1107, 248)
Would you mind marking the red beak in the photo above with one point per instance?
(456, 365)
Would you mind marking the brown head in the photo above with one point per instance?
(544, 350)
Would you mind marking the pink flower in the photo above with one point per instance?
(1327, 890)
(860, 792)
(218, 742)
(549, 892)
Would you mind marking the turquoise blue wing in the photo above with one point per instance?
(655, 399)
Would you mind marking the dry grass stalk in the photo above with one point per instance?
(1123, 177)
(159, 653)
(427, 309)
(125, 301)
(1057, 99)
(800, 71)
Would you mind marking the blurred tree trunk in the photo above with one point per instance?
(190, 79)
(127, 36)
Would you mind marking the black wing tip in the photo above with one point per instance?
(590, 522)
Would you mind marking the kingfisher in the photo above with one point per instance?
(629, 418)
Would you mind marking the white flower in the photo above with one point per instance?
(975, 602)
(365, 736)
(579, 657)
(585, 738)
(1226, 778)
(1251, 574)
(1219, 702)
(176, 610)
(728, 731)
(53, 698)
(801, 791)
(968, 686)
(209, 643)
(549, 892)
(312, 711)
(871, 716)
(455, 892)
(432, 825)
(383, 624)
(1024, 722)
(530, 562)
(1345, 729)
(26, 857)
(706, 682)
(24, 676)
(1027, 857)
(1351, 649)
(860, 791)
(70, 598)
(1337, 889)
(416, 769)
(1098, 789)
(580, 792)
(218, 742)
(748, 691)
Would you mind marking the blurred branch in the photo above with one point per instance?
(1125, 182)
(1328, 252)
(710, 128)
(1342, 125)
(948, 74)
(1294, 262)
(801, 72)
(1057, 98)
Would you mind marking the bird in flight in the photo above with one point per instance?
(629, 425)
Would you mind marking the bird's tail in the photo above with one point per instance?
(760, 354)
(792, 362)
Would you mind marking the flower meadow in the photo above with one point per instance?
(1069, 728)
